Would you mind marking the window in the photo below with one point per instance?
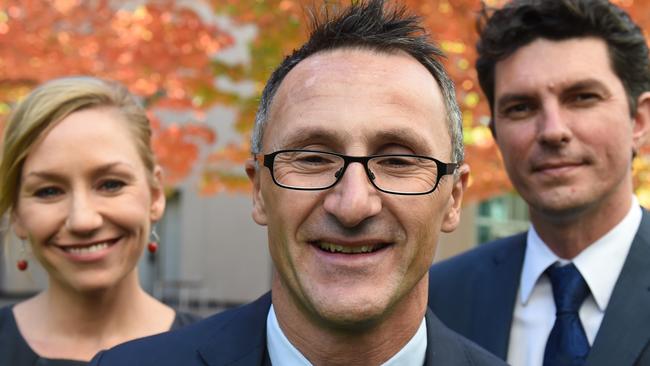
(501, 216)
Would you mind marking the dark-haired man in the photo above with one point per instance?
(357, 169)
(567, 82)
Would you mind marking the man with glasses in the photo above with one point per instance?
(357, 168)
(568, 84)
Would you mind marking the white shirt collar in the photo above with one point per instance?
(282, 352)
(600, 263)
(414, 352)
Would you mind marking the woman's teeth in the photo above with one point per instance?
(84, 250)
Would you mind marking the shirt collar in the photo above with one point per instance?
(600, 263)
(282, 352)
(414, 352)
(538, 257)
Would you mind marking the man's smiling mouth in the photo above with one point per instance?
(349, 249)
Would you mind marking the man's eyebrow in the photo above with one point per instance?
(303, 136)
(335, 139)
(406, 137)
(584, 85)
(571, 87)
(512, 97)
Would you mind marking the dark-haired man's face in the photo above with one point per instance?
(350, 254)
(564, 129)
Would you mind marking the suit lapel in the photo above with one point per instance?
(242, 341)
(441, 350)
(625, 329)
(496, 292)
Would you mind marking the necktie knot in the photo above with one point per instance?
(569, 288)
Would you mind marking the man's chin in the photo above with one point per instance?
(559, 208)
(347, 314)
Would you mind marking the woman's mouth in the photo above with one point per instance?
(86, 249)
(89, 251)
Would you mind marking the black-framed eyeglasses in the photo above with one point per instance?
(311, 170)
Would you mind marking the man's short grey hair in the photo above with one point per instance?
(369, 25)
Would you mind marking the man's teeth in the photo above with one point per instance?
(333, 248)
(89, 249)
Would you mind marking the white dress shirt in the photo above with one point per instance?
(283, 353)
(599, 264)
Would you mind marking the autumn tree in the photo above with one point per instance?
(165, 52)
(162, 51)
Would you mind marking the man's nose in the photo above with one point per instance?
(553, 125)
(354, 198)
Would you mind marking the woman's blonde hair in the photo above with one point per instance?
(50, 103)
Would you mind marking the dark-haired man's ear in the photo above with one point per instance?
(641, 122)
(493, 129)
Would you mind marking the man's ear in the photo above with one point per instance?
(259, 211)
(641, 121)
(158, 200)
(493, 129)
(452, 215)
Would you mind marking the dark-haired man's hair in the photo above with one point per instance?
(371, 25)
(520, 22)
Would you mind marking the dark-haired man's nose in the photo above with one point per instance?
(553, 127)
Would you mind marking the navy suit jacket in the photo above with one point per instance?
(238, 338)
(475, 293)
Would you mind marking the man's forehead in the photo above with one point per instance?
(395, 75)
(359, 62)
(554, 65)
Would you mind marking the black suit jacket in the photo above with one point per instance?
(475, 293)
(238, 338)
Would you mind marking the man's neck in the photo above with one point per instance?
(374, 344)
(568, 234)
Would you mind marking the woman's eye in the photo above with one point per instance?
(48, 192)
(112, 185)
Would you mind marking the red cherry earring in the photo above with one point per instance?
(22, 264)
(152, 246)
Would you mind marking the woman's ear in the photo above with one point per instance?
(158, 199)
(17, 226)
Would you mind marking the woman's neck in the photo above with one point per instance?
(63, 323)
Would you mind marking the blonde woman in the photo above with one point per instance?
(79, 182)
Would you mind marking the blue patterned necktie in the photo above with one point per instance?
(567, 344)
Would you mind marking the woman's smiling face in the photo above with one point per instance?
(86, 201)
